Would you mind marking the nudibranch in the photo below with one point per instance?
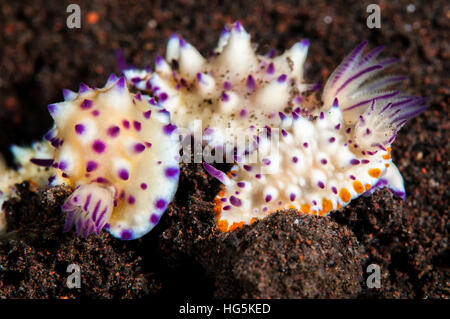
(324, 161)
(38, 176)
(233, 92)
(120, 152)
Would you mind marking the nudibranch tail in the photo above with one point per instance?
(120, 151)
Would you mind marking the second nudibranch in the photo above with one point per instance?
(120, 153)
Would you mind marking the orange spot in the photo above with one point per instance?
(305, 208)
(374, 172)
(388, 154)
(92, 17)
(221, 193)
(345, 195)
(222, 225)
(321, 213)
(314, 212)
(327, 205)
(368, 186)
(292, 207)
(236, 225)
(339, 206)
(253, 220)
(218, 206)
(358, 187)
(229, 175)
(387, 165)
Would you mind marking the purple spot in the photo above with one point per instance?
(337, 127)
(292, 197)
(42, 162)
(268, 198)
(126, 124)
(235, 201)
(113, 131)
(98, 146)
(334, 190)
(62, 165)
(163, 96)
(258, 176)
(95, 113)
(365, 161)
(250, 82)
(126, 234)
(305, 145)
(161, 204)
(354, 161)
(172, 172)
(51, 108)
(314, 202)
(323, 161)
(227, 207)
(266, 161)
(247, 168)
(124, 174)
(243, 113)
(225, 97)
(270, 68)
(154, 219)
(295, 159)
(148, 144)
(169, 128)
(86, 104)
(349, 130)
(147, 114)
(322, 116)
(79, 128)
(91, 166)
(138, 147)
(352, 177)
(321, 184)
(143, 186)
(227, 85)
(332, 139)
(281, 78)
(131, 200)
(137, 125)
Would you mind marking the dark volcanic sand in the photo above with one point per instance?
(285, 256)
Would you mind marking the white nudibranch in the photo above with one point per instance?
(234, 92)
(38, 176)
(120, 152)
(330, 151)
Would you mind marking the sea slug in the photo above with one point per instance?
(234, 92)
(330, 151)
(120, 152)
(26, 171)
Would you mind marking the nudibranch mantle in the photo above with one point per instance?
(235, 91)
(315, 169)
(120, 152)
